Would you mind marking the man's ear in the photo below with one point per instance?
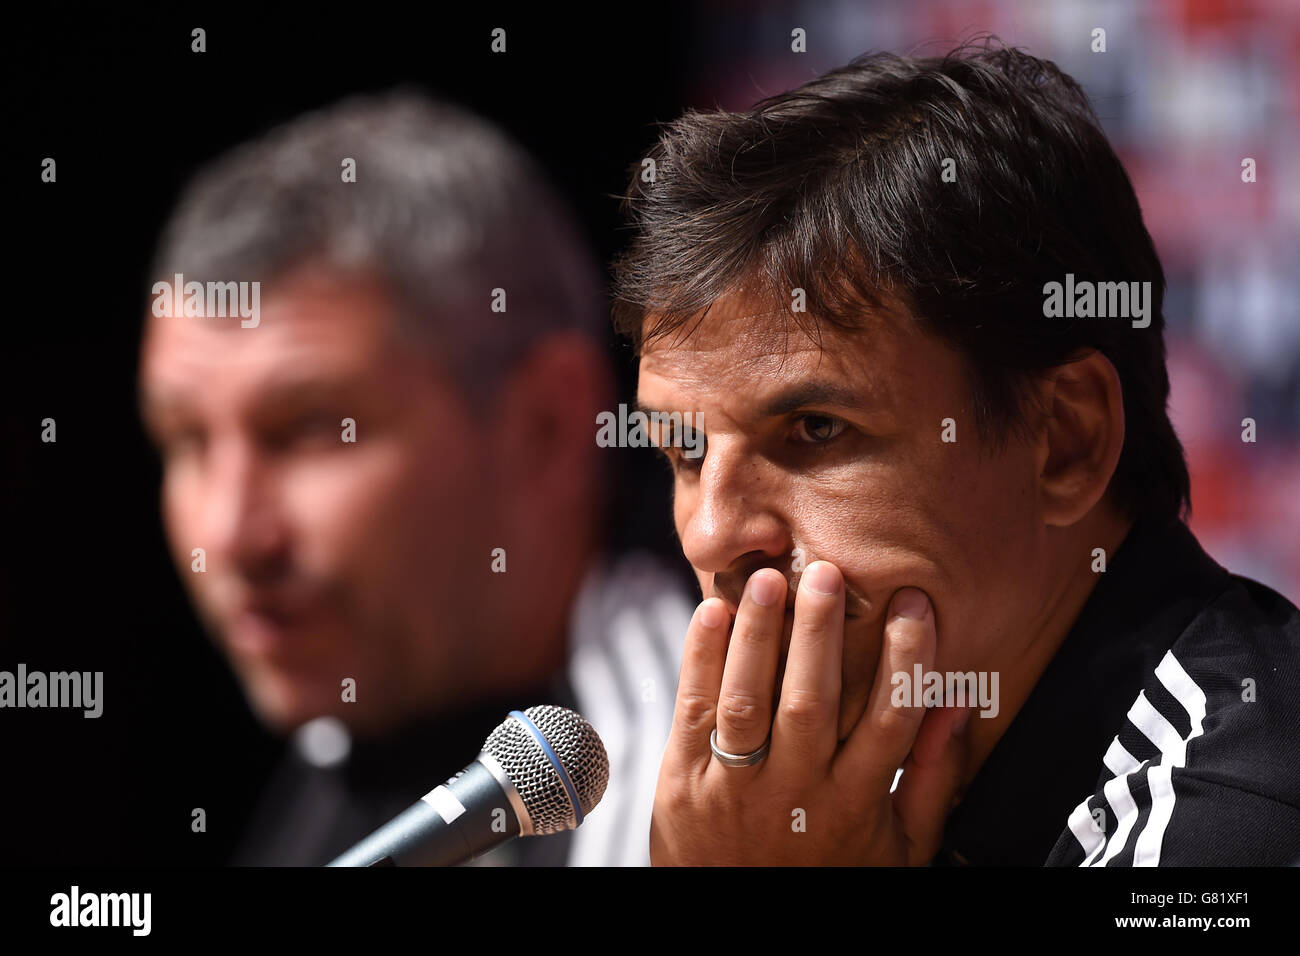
(546, 413)
(1081, 435)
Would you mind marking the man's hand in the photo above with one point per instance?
(812, 800)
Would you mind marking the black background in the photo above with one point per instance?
(129, 113)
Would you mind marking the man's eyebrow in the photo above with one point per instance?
(647, 410)
(794, 397)
(305, 390)
(812, 393)
(280, 392)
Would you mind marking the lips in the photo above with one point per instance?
(263, 632)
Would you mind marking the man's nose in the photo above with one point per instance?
(733, 520)
(244, 523)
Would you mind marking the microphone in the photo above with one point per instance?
(540, 771)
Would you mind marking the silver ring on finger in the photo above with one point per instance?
(737, 760)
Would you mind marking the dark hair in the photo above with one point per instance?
(836, 188)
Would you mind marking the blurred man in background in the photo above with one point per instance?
(380, 479)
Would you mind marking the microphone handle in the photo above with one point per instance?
(452, 823)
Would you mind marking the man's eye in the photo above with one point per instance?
(818, 429)
(318, 422)
(306, 426)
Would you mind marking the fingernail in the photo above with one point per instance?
(909, 602)
(766, 590)
(822, 577)
(712, 614)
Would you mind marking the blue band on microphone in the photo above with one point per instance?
(555, 761)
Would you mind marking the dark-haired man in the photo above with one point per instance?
(915, 478)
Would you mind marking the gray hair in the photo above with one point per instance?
(445, 209)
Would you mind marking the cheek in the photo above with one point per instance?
(882, 532)
(957, 526)
(356, 506)
(182, 503)
(681, 508)
(173, 514)
(393, 522)
(988, 512)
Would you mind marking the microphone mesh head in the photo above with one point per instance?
(580, 751)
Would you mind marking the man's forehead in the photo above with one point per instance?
(309, 308)
(311, 331)
(749, 345)
(181, 354)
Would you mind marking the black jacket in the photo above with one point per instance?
(1165, 731)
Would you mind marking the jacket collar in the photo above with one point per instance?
(1050, 756)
